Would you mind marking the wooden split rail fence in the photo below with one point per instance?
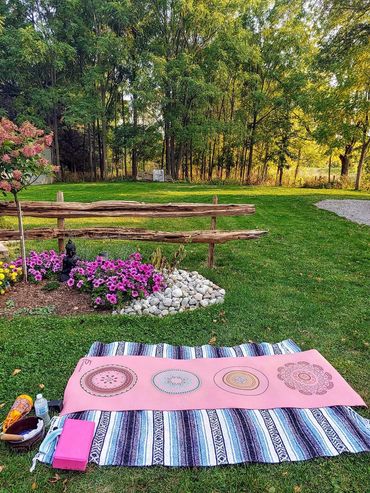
(61, 211)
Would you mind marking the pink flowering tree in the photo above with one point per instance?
(21, 163)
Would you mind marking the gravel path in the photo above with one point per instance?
(357, 211)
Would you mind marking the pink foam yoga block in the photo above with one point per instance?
(72, 451)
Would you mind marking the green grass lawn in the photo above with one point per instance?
(306, 280)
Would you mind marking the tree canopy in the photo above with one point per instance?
(206, 89)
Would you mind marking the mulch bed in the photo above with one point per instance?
(31, 299)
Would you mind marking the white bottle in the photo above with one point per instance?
(42, 409)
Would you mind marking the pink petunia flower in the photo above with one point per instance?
(70, 282)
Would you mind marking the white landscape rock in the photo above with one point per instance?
(184, 291)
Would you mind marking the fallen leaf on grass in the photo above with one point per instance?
(1, 468)
(2, 405)
(16, 371)
(297, 488)
(212, 340)
(33, 486)
(55, 478)
(42, 386)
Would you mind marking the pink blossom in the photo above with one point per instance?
(28, 151)
(6, 158)
(16, 185)
(14, 153)
(17, 175)
(42, 161)
(48, 139)
(70, 282)
(4, 185)
(38, 148)
(8, 125)
(28, 130)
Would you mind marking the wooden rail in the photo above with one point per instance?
(67, 210)
(137, 234)
(61, 211)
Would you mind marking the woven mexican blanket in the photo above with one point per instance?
(145, 383)
(216, 436)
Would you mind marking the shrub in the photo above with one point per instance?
(21, 162)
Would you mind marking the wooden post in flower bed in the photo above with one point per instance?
(211, 248)
(60, 223)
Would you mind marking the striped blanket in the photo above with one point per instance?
(216, 437)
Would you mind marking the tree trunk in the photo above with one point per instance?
(191, 161)
(364, 146)
(297, 166)
(329, 167)
(134, 149)
(251, 146)
(101, 163)
(91, 162)
(345, 159)
(265, 163)
(172, 157)
(55, 128)
(103, 135)
(21, 236)
(281, 171)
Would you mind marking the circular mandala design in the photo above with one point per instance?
(308, 379)
(108, 380)
(176, 381)
(241, 380)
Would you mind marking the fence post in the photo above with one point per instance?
(211, 248)
(60, 223)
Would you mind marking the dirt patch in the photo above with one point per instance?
(31, 299)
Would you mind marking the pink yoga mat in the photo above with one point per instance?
(119, 383)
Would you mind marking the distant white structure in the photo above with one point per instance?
(45, 179)
(158, 174)
(3, 250)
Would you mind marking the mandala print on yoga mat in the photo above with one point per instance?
(176, 381)
(241, 380)
(108, 380)
(306, 378)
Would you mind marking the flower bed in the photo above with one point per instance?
(9, 275)
(111, 283)
(42, 265)
(115, 282)
(128, 287)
